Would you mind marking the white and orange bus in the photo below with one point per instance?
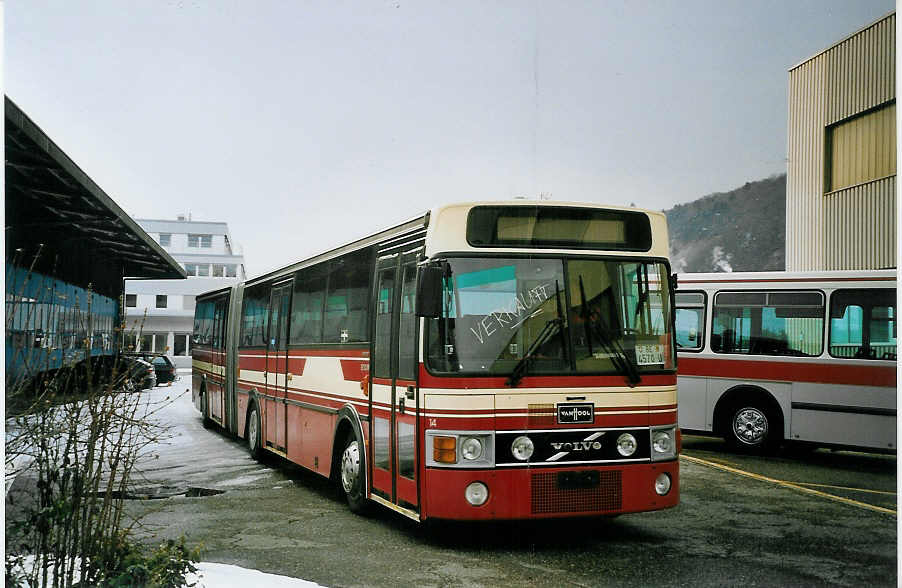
(771, 357)
(506, 360)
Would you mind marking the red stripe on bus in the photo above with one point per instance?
(524, 412)
(252, 363)
(296, 365)
(427, 380)
(353, 370)
(816, 373)
(361, 353)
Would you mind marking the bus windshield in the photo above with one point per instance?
(552, 316)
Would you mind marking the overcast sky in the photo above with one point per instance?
(307, 124)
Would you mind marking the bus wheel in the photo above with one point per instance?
(351, 469)
(752, 429)
(253, 433)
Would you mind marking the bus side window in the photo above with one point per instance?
(307, 307)
(863, 324)
(690, 321)
(768, 323)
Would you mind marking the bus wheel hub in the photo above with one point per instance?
(350, 467)
(750, 425)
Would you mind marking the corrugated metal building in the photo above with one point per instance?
(841, 174)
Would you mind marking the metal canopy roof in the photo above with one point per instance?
(58, 219)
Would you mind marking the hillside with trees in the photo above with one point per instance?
(740, 230)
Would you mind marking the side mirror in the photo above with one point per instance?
(429, 291)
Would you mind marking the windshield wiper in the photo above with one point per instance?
(611, 346)
(551, 328)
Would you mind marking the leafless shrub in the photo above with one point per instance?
(74, 440)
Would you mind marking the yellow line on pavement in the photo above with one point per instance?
(792, 485)
(884, 492)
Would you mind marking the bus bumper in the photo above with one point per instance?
(535, 493)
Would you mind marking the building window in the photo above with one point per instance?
(146, 342)
(166, 239)
(191, 269)
(203, 270)
(205, 241)
(861, 149)
(131, 300)
(180, 344)
(218, 270)
(230, 270)
(159, 342)
(161, 300)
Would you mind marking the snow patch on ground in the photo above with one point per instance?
(209, 575)
(217, 575)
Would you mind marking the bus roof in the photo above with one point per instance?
(775, 277)
(439, 240)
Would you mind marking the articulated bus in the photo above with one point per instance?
(771, 357)
(507, 360)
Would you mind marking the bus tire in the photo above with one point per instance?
(352, 466)
(254, 444)
(753, 427)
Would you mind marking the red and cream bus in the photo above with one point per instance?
(506, 360)
(771, 357)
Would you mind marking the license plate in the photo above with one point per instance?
(573, 480)
(649, 354)
(577, 412)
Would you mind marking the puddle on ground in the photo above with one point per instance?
(161, 492)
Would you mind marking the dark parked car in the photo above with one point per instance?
(140, 373)
(162, 366)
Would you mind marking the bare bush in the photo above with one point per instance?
(74, 441)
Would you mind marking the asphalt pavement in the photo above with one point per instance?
(801, 518)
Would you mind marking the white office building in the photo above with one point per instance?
(160, 313)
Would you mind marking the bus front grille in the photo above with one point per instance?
(549, 498)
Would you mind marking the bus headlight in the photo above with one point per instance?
(471, 448)
(460, 449)
(663, 444)
(626, 445)
(522, 447)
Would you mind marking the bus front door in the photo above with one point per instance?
(394, 398)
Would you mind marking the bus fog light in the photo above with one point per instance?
(476, 493)
(626, 445)
(662, 484)
(471, 448)
(522, 447)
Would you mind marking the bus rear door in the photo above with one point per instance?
(216, 386)
(275, 423)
